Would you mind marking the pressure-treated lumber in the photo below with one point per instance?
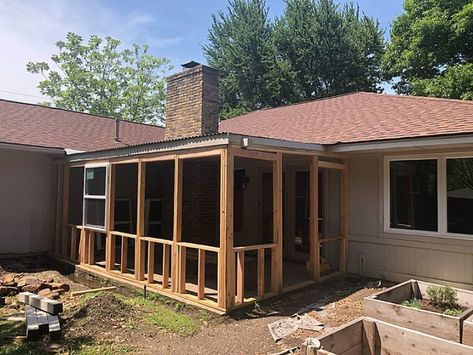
(253, 154)
(78, 293)
(166, 257)
(201, 274)
(314, 219)
(124, 255)
(150, 262)
(73, 249)
(226, 256)
(91, 247)
(140, 219)
(260, 273)
(177, 223)
(277, 255)
(240, 291)
(111, 239)
(182, 269)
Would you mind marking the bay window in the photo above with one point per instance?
(429, 195)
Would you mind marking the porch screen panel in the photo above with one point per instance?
(413, 194)
(460, 195)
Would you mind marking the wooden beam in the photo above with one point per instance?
(182, 269)
(240, 288)
(226, 256)
(253, 154)
(314, 219)
(201, 275)
(201, 154)
(177, 223)
(140, 245)
(82, 246)
(124, 255)
(260, 272)
(110, 241)
(331, 165)
(277, 252)
(150, 262)
(166, 256)
(91, 248)
(344, 218)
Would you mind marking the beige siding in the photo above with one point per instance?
(25, 187)
(393, 256)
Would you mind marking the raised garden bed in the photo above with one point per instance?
(388, 306)
(367, 336)
(467, 337)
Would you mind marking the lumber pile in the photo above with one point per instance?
(41, 316)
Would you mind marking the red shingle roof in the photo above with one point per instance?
(357, 117)
(22, 123)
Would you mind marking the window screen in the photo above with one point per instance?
(413, 194)
(95, 197)
(95, 212)
(460, 195)
(95, 181)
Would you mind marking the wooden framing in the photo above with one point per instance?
(344, 217)
(226, 263)
(277, 251)
(140, 210)
(65, 209)
(231, 260)
(314, 219)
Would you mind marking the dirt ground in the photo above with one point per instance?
(125, 322)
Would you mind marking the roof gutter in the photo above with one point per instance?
(402, 143)
(32, 148)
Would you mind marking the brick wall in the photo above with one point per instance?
(192, 103)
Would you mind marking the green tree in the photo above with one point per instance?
(331, 50)
(98, 78)
(241, 46)
(431, 49)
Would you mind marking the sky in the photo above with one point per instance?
(173, 29)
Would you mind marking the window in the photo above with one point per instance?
(432, 195)
(95, 196)
(460, 195)
(413, 194)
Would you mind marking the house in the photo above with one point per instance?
(222, 214)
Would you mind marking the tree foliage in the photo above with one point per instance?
(431, 49)
(98, 78)
(315, 49)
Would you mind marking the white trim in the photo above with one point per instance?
(96, 197)
(442, 217)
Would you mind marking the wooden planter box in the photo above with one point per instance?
(467, 337)
(386, 306)
(367, 336)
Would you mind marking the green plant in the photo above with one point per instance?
(413, 303)
(452, 312)
(442, 296)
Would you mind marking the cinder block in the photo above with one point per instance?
(24, 297)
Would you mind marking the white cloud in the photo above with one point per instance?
(30, 28)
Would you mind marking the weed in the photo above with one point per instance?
(413, 303)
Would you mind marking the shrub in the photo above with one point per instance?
(413, 303)
(443, 296)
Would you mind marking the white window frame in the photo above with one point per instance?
(442, 223)
(96, 197)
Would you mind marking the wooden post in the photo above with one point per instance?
(91, 246)
(65, 210)
(201, 275)
(260, 271)
(277, 252)
(73, 249)
(53, 207)
(86, 246)
(82, 245)
(150, 262)
(124, 255)
(59, 193)
(314, 219)
(344, 217)
(166, 256)
(110, 242)
(140, 219)
(177, 223)
(182, 269)
(240, 291)
(226, 256)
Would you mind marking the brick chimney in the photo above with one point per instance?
(192, 102)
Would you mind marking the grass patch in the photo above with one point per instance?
(168, 316)
(8, 345)
(101, 349)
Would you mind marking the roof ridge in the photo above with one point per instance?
(418, 97)
(82, 113)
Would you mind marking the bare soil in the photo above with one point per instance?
(112, 320)
(426, 305)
